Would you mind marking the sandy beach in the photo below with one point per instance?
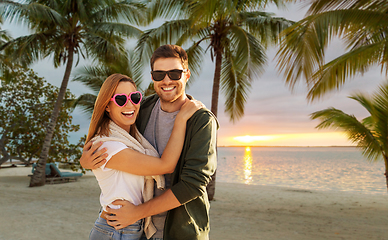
(68, 211)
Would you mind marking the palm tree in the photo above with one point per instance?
(5, 63)
(235, 35)
(62, 29)
(234, 32)
(363, 25)
(94, 76)
(371, 133)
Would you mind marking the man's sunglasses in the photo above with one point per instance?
(174, 74)
(122, 99)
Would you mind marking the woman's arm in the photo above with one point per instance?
(131, 161)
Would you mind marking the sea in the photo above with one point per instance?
(310, 168)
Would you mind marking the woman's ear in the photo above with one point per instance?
(107, 108)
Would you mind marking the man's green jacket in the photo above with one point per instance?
(198, 161)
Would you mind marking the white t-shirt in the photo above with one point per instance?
(116, 184)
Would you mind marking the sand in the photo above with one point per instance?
(68, 211)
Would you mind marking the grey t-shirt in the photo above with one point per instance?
(157, 132)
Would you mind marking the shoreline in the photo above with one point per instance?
(263, 146)
(239, 211)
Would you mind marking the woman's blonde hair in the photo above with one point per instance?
(99, 124)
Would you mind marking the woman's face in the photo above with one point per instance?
(123, 116)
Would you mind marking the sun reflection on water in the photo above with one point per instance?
(316, 168)
(248, 165)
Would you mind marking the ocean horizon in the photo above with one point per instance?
(259, 146)
(336, 168)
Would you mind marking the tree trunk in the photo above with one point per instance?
(216, 83)
(211, 187)
(39, 176)
(3, 142)
(386, 171)
(4, 159)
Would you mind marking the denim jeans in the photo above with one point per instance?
(102, 231)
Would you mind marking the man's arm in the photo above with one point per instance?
(200, 159)
(91, 158)
(129, 213)
(199, 165)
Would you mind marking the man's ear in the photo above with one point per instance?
(188, 74)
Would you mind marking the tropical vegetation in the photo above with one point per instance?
(5, 63)
(26, 104)
(371, 133)
(236, 35)
(361, 24)
(64, 29)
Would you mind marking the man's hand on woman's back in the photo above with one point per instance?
(92, 157)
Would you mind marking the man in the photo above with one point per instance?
(186, 198)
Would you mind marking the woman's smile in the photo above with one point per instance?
(128, 113)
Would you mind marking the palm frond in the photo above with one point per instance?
(170, 9)
(136, 69)
(195, 55)
(4, 37)
(334, 74)
(108, 48)
(167, 33)
(85, 102)
(354, 129)
(252, 57)
(195, 31)
(31, 14)
(235, 85)
(239, 46)
(120, 29)
(302, 52)
(133, 11)
(27, 49)
(206, 10)
(130, 66)
(264, 26)
(364, 101)
(380, 116)
(318, 6)
(92, 76)
(299, 54)
(57, 45)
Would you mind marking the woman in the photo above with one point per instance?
(113, 122)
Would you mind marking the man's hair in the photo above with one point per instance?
(170, 51)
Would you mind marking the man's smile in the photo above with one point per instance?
(168, 88)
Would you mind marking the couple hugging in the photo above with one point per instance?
(152, 157)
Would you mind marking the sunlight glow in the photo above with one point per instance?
(300, 139)
(250, 139)
(248, 165)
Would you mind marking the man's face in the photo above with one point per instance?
(167, 89)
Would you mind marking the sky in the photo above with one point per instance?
(274, 115)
